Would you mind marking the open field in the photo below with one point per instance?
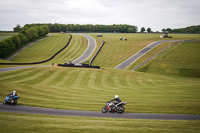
(42, 50)
(89, 89)
(24, 123)
(181, 59)
(115, 51)
(46, 48)
(6, 35)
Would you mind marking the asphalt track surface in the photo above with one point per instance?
(61, 112)
(22, 67)
(139, 54)
(90, 49)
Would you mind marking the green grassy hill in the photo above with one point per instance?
(149, 91)
(182, 59)
(89, 89)
(115, 51)
(46, 48)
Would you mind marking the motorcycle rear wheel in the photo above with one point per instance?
(120, 109)
(13, 102)
(104, 109)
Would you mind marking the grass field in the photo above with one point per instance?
(6, 35)
(181, 59)
(76, 48)
(46, 48)
(115, 51)
(89, 89)
(24, 123)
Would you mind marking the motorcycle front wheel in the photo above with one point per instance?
(120, 109)
(4, 102)
(104, 109)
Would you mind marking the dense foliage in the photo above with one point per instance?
(190, 29)
(88, 28)
(26, 34)
(17, 28)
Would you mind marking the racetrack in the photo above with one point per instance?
(60, 112)
(89, 50)
(139, 54)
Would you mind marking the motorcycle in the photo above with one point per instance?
(12, 100)
(111, 107)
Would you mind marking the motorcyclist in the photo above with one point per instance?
(116, 99)
(12, 94)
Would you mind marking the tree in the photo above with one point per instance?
(23, 38)
(17, 28)
(169, 30)
(17, 41)
(32, 33)
(46, 29)
(142, 29)
(41, 31)
(130, 30)
(149, 30)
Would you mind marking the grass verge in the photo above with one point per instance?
(24, 123)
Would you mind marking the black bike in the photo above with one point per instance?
(111, 107)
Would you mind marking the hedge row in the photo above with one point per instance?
(122, 28)
(14, 43)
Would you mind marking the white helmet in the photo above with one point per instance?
(14, 91)
(116, 96)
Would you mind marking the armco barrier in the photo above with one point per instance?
(40, 61)
(96, 53)
(162, 52)
(78, 65)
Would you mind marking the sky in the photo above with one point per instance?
(154, 14)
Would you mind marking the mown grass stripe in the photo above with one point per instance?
(38, 73)
(92, 88)
(58, 77)
(20, 75)
(43, 78)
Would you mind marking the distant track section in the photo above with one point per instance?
(17, 68)
(162, 52)
(90, 49)
(139, 54)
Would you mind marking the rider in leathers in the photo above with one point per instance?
(12, 94)
(117, 100)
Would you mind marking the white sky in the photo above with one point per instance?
(156, 14)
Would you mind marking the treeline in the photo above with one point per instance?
(190, 29)
(88, 28)
(26, 34)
